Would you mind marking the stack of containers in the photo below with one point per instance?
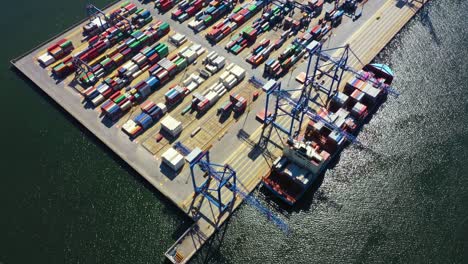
(250, 33)
(63, 68)
(239, 102)
(192, 82)
(186, 9)
(260, 53)
(236, 19)
(146, 58)
(214, 62)
(152, 109)
(131, 128)
(55, 52)
(60, 49)
(142, 17)
(175, 95)
(233, 75)
(128, 70)
(213, 12)
(288, 57)
(144, 120)
(165, 5)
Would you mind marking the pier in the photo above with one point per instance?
(380, 21)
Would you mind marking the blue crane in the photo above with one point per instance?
(299, 108)
(225, 178)
(359, 74)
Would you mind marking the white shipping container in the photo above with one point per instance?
(230, 81)
(46, 59)
(163, 107)
(218, 87)
(193, 24)
(187, 81)
(128, 65)
(238, 71)
(129, 125)
(219, 62)
(126, 105)
(231, 84)
(132, 69)
(212, 97)
(230, 66)
(195, 47)
(200, 27)
(173, 159)
(190, 55)
(99, 73)
(222, 92)
(198, 79)
(192, 86)
(211, 68)
(98, 100)
(136, 74)
(211, 56)
(233, 25)
(183, 50)
(223, 76)
(171, 125)
(200, 51)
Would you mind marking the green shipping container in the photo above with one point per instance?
(59, 66)
(164, 26)
(145, 50)
(163, 51)
(144, 39)
(119, 99)
(186, 109)
(105, 62)
(148, 19)
(237, 9)
(66, 44)
(252, 8)
(208, 19)
(139, 10)
(158, 46)
(181, 63)
(134, 33)
(125, 3)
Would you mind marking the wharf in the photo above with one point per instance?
(380, 22)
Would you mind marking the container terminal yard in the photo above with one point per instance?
(208, 99)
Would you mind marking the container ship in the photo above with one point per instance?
(306, 156)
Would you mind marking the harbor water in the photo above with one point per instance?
(401, 197)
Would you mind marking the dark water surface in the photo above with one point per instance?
(65, 198)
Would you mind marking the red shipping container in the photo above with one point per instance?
(122, 102)
(60, 42)
(114, 95)
(93, 39)
(154, 58)
(107, 93)
(54, 46)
